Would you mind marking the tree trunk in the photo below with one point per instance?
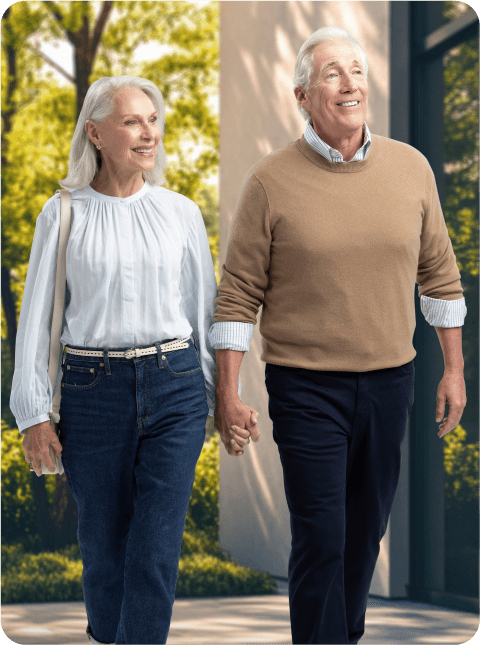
(8, 298)
(65, 516)
(9, 309)
(43, 516)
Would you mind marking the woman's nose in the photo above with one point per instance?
(149, 130)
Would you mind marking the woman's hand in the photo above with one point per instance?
(36, 442)
(235, 423)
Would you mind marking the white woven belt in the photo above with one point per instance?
(133, 353)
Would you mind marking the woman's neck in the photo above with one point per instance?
(116, 185)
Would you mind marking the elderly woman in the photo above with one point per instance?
(134, 399)
(330, 235)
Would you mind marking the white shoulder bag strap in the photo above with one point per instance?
(60, 284)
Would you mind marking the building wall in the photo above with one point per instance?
(259, 42)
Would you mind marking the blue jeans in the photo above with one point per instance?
(132, 431)
(339, 436)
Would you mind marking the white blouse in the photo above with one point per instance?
(139, 270)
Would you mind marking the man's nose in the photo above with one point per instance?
(349, 84)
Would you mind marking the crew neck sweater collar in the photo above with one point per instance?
(320, 161)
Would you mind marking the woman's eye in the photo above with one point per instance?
(153, 119)
(330, 75)
(130, 122)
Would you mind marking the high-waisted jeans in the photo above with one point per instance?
(339, 436)
(132, 431)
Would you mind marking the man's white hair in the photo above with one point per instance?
(305, 64)
(85, 159)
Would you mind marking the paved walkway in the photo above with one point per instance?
(252, 619)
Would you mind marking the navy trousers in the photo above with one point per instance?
(339, 437)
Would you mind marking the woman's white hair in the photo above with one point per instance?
(305, 64)
(85, 159)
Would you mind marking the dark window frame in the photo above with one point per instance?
(411, 49)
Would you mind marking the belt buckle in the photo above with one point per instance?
(130, 353)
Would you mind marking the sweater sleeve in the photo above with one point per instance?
(437, 274)
(245, 272)
(31, 395)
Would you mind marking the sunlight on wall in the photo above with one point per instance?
(258, 114)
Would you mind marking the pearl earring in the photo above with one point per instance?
(99, 147)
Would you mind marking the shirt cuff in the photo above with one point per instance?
(23, 425)
(443, 313)
(231, 335)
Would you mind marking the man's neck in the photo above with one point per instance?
(347, 145)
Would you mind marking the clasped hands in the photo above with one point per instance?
(235, 422)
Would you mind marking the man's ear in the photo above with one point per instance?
(301, 96)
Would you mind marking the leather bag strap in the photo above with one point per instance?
(59, 301)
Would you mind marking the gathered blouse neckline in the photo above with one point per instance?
(91, 192)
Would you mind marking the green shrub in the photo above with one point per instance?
(57, 576)
(12, 556)
(205, 575)
(44, 577)
(203, 508)
(199, 542)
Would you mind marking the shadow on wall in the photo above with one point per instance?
(258, 55)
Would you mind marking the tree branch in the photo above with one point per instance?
(100, 25)
(36, 48)
(55, 11)
(57, 14)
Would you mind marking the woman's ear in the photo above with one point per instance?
(92, 132)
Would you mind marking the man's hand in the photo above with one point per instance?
(235, 423)
(451, 390)
(36, 443)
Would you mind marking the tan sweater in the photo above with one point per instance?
(333, 252)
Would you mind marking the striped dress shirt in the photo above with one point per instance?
(438, 313)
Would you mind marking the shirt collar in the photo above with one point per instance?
(329, 153)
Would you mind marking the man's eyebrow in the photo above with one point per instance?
(336, 62)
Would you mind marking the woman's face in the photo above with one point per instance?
(129, 136)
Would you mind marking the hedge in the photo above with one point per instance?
(47, 577)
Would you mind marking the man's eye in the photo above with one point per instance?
(332, 74)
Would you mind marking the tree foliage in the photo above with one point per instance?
(460, 460)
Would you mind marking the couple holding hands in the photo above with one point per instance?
(330, 235)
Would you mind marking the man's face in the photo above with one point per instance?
(338, 92)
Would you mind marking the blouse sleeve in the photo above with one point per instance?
(31, 395)
(198, 289)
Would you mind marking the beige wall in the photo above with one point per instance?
(259, 42)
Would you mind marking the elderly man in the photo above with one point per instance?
(330, 235)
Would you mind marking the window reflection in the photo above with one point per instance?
(461, 453)
(440, 13)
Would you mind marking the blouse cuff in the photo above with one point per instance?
(23, 425)
(443, 313)
(231, 335)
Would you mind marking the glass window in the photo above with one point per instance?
(460, 204)
(440, 13)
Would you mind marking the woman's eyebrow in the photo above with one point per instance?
(137, 115)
